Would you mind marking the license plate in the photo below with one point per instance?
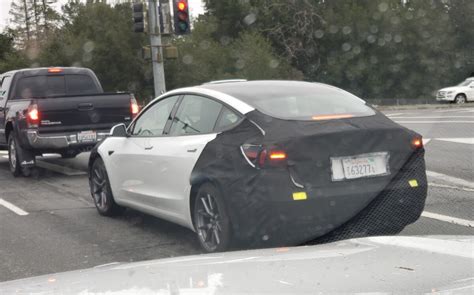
(366, 165)
(87, 136)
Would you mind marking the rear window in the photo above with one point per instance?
(299, 100)
(44, 86)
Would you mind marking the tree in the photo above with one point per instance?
(20, 12)
(10, 58)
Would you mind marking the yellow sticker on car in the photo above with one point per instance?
(299, 196)
(413, 183)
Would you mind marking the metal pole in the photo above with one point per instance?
(156, 48)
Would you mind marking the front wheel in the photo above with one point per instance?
(211, 220)
(100, 190)
(460, 99)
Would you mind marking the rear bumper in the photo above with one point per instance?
(59, 141)
(273, 222)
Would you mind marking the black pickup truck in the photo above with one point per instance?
(56, 110)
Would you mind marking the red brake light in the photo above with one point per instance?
(55, 70)
(33, 116)
(331, 117)
(417, 142)
(134, 108)
(277, 155)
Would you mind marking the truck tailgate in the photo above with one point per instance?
(83, 112)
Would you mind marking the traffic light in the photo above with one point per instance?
(139, 19)
(181, 17)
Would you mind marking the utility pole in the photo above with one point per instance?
(156, 47)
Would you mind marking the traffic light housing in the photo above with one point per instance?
(139, 18)
(182, 24)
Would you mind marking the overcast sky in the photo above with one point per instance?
(194, 5)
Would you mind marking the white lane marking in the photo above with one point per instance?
(458, 140)
(436, 117)
(426, 140)
(433, 122)
(60, 169)
(451, 179)
(396, 114)
(434, 184)
(13, 208)
(449, 219)
(454, 110)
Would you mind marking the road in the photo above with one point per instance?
(48, 222)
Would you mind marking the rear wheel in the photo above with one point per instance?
(15, 154)
(211, 220)
(100, 190)
(460, 99)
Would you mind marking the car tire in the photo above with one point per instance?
(100, 190)
(460, 99)
(13, 155)
(211, 221)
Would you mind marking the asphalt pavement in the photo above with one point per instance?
(49, 224)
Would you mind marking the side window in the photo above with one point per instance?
(226, 119)
(196, 115)
(153, 121)
(4, 86)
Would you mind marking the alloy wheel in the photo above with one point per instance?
(208, 222)
(99, 187)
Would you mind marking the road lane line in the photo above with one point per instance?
(433, 122)
(434, 184)
(13, 208)
(396, 114)
(426, 140)
(436, 117)
(449, 219)
(451, 179)
(458, 140)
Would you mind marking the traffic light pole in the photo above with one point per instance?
(156, 48)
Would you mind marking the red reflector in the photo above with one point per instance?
(277, 155)
(181, 5)
(55, 70)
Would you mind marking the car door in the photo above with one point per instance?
(5, 82)
(174, 156)
(470, 92)
(132, 173)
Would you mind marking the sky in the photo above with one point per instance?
(195, 7)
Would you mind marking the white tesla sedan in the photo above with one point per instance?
(263, 162)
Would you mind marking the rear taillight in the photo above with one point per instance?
(417, 143)
(33, 116)
(259, 157)
(134, 108)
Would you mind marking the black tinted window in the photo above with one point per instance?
(195, 115)
(43, 86)
(80, 84)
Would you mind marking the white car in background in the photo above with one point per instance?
(460, 94)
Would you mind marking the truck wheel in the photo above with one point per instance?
(15, 153)
(13, 159)
(460, 99)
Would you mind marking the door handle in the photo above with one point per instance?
(192, 151)
(148, 148)
(85, 106)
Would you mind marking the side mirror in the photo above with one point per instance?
(119, 130)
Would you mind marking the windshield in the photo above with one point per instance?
(466, 83)
(259, 146)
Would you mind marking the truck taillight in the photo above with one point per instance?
(33, 116)
(259, 157)
(134, 108)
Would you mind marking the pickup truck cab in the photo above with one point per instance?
(56, 110)
(459, 94)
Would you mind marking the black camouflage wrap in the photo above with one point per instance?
(260, 202)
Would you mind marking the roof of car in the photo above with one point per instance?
(42, 70)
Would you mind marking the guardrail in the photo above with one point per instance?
(401, 101)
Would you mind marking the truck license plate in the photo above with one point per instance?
(87, 136)
(374, 164)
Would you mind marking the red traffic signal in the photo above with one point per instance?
(181, 17)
